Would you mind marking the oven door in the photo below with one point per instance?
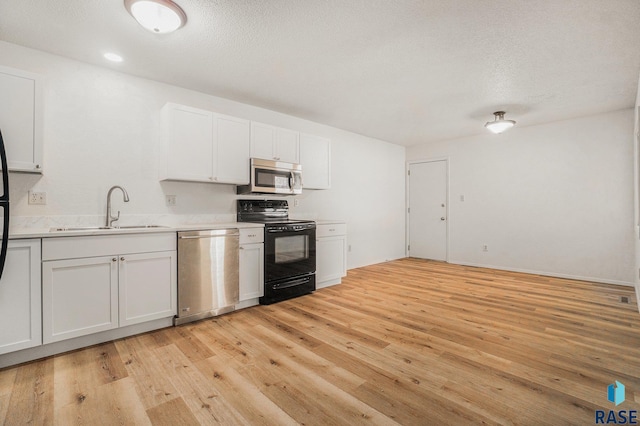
(289, 252)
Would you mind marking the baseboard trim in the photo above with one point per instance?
(545, 273)
(49, 349)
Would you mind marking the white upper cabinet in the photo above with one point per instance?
(21, 119)
(202, 146)
(274, 143)
(187, 135)
(232, 142)
(315, 157)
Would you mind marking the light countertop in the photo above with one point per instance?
(15, 234)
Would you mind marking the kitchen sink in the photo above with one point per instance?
(104, 228)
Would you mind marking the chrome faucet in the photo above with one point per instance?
(110, 217)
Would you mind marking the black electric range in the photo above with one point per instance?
(289, 249)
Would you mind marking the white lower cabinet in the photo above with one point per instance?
(133, 280)
(331, 254)
(20, 297)
(80, 297)
(147, 286)
(251, 266)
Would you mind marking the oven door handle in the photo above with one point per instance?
(275, 231)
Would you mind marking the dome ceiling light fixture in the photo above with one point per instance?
(499, 124)
(157, 16)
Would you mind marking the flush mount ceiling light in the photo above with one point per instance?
(158, 16)
(499, 124)
(113, 57)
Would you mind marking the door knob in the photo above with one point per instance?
(442, 218)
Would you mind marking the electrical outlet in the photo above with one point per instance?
(349, 249)
(485, 248)
(39, 198)
(462, 198)
(296, 202)
(171, 200)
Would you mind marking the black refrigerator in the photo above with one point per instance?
(4, 203)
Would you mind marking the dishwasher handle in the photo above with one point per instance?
(212, 233)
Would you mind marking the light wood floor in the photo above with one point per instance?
(408, 342)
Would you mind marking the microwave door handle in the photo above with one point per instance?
(292, 180)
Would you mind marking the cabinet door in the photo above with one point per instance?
(21, 119)
(263, 141)
(288, 146)
(187, 139)
(20, 297)
(233, 144)
(330, 260)
(148, 287)
(79, 297)
(315, 157)
(251, 271)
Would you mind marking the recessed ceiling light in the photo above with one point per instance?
(113, 57)
(499, 124)
(158, 16)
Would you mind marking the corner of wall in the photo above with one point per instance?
(636, 191)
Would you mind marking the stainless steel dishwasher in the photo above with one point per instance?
(208, 273)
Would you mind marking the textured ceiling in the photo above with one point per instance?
(404, 71)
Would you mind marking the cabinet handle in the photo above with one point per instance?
(251, 235)
(332, 230)
(37, 166)
(114, 259)
(241, 248)
(122, 258)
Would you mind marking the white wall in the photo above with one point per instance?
(102, 129)
(555, 199)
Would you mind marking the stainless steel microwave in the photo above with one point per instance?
(273, 177)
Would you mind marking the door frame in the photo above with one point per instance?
(408, 201)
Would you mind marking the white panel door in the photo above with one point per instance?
(232, 156)
(190, 143)
(428, 210)
(288, 146)
(263, 141)
(79, 297)
(20, 119)
(147, 287)
(20, 297)
(331, 254)
(251, 271)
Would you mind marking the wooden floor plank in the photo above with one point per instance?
(409, 342)
(144, 367)
(114, 403)
(77, 373)
(171, 413)
(32, 397)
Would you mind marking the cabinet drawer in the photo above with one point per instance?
(105, 245)
(251, 235)
(331, 230)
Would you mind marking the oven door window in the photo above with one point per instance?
(291, 249)
(272, 179)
